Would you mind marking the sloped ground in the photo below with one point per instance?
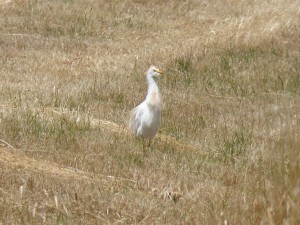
(228, 148)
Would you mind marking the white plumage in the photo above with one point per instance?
(145, 118)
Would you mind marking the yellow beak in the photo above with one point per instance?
(159, 71)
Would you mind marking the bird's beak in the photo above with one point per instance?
(159, 71)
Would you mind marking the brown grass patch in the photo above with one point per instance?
(228, 147)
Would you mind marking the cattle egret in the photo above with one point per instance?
(145, 118)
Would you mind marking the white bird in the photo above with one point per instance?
(145, 118)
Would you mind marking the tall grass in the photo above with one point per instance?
(230, 90)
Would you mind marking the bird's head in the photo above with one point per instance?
(154, 72)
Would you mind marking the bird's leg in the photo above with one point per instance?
(143, 145)
(149, 142)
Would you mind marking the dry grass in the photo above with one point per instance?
(228, 148)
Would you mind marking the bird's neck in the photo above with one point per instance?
(153, 96)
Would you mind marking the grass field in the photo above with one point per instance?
(228, 145)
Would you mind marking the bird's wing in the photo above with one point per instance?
(135, 118)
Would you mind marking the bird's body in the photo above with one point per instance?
(145, 118)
